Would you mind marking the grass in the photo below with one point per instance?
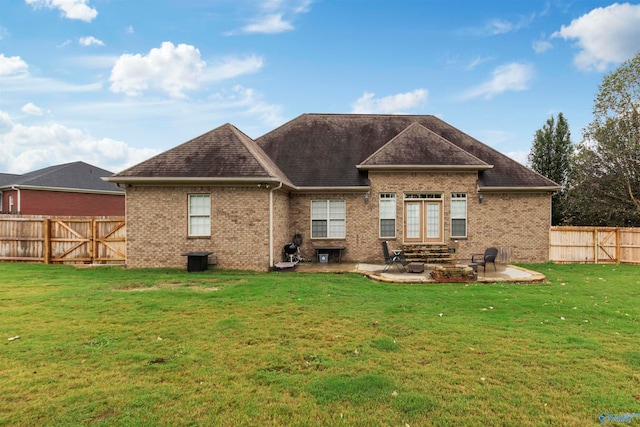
(109, 346)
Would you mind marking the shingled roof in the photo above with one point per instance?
(224, 154)
(73, 176)
(417, 147)
(324, 150)
(334, 151)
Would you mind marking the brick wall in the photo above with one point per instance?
(157, 226)
(157, 222)
(40, 202)
(516, 222)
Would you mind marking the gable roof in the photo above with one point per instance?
(323, 150)
(75, 176)
(223, 155)
(416, 147)
(334, 151)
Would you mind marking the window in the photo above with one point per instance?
(387, 215)
(328, 219)
(11, 204)
(458, 215)
(199, 215)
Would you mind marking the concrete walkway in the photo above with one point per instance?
(504, 273)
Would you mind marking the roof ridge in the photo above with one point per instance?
(259, 155)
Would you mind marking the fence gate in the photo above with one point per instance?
(84, 240)
(77, 240)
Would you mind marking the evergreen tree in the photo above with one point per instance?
(550, 156)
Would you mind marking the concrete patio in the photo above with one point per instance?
(504, 273)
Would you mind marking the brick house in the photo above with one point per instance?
(70, 189)
(341, 181)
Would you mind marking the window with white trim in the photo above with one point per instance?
(328, 219)
(199, 215)
(387, 215)
(458, 215)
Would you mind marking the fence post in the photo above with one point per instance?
(94, 240)
(618, 248)
(46, 241)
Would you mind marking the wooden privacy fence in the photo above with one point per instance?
(63, 240)
(594, 245)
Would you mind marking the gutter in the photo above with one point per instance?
(65, 189)
(271, 254)
(518, 189)
(17, 189)
(188, 180)
(426, 167)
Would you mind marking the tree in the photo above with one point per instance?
(550, 156)
(605, 186)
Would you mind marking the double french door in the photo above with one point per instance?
(423, 218)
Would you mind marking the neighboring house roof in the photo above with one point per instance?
(76, 176)
(221, 155)
(323, 150)
(7, 178)
(331, 151)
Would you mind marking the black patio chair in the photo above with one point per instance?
(488, 257)
(397, 258)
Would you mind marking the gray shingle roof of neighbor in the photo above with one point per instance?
(7, 178)
(68, 176)
(323, 150)
(224, 153)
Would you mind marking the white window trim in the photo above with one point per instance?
(387, 197)
(190, 215)
(328, 219)
(456, 197)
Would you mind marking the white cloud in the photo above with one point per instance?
(232, 67)
(541, 46)
(248, 102)
(20, 84)
(130, 29)
(32, 109)
(172, 68)
(604, 35)
(276, 17)
(510, 77)
(12, 65)
(71, 9)
(90, 40)
(499, 26)
(392, 104)
(26, 148)
(270, 24)
(476, 62)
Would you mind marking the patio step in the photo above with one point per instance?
(429, 254)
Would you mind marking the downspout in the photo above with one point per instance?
(271, 224)
(17, 190)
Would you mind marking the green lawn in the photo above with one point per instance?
(109, 346)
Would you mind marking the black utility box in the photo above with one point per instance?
(197, 261)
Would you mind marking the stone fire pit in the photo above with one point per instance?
(453, 273)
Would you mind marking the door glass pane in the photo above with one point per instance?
(413, 220)
(433, 220)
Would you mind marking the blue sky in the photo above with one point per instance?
(113, 82)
